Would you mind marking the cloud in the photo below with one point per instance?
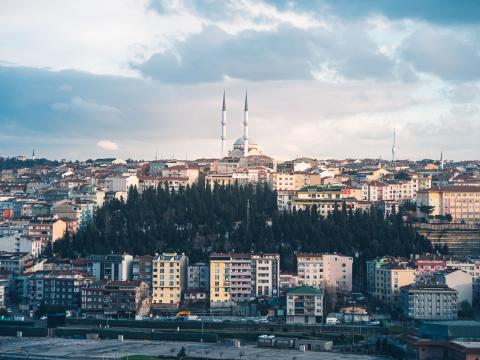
(107, 145)
(283, 54)
(351, 118)
(443, 54)
(434, 11)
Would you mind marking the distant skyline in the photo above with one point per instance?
(326, 79)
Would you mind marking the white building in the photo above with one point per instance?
(428, 302)
(266, 274)
(329, 271)
(457, 280)
(114, 267)
(304, 305)
(17, 242)
(121, 183)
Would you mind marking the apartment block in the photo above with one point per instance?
(462, 203)
(199, 276)
(239, 277)
(114, 298)
(57, 288)
(304, 305)
(329, 271)
(266, 274)
(142, 269)
(389, 278)
(457, 280)
(114, 267)
(169, 278)
(429, 302)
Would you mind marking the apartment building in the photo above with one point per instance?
(46, 230)
(121, 183)
(57, 288)
(266, 274)
(472, 268)
(325, 198)
(462, 203)
(114, 267)
(457, 280)
(294, 180)
(373, 265)
(428, 302)
(199, 276)
(116, 298)
(389, 278)
(239, 277)
(288, 281)
(220, 278)
(329, 271)
(142, 269)
(427, 266)
(241, 281)
(337, 272)
(17, 242)
(15, 262)
(169, 278)
(304, 305)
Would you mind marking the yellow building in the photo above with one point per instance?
(389, 279)
(220, 278)
(462, 203)
(169, 278)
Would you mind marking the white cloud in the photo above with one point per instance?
(107, 145)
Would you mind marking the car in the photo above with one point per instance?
(43, 317)
(373, 323)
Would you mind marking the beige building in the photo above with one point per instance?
(239, 277)
(389, 279)
(462, 203)
(46, 231)
(304, 305)
(169, 278)
(325, 198)
(328, 271)
(294, 181)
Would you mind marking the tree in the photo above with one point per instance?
(465, 311)
(198, 220)
(426, 209)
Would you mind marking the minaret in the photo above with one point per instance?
(245, 127)
(442, 164)
(33, 154)
(224, 125)
(393, 148)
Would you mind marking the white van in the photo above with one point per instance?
(332, 321)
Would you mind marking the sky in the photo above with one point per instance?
(325, 79)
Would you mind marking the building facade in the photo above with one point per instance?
(169, 278)
(304, 305)
(429, 302)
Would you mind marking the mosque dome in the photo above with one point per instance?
(240, 141)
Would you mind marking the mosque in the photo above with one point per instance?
(244, 146)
